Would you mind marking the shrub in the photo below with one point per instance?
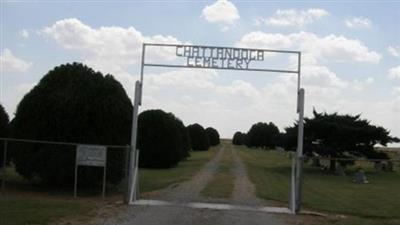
(198, 137)
(185, 139)
(213, 136)
(239, 138)
(72, 103)
(262, 135)
(162, 139)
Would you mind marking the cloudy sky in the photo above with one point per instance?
(350, 64)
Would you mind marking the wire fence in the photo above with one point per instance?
(76, 169)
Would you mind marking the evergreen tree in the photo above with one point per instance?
(72, 103)
(239, 138)
(213, 136)
(162, 139)
(198, 137)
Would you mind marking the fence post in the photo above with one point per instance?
(76, 172)
(292, 187)
(126, 180)
(3, 179)
(105, 176)
(137, 175)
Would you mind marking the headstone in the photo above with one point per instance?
(316, 162)
(340, 170)
(389, 166)
(360, 177)
(378, 165)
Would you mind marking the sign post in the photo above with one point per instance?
(220, 58)
(91, 155)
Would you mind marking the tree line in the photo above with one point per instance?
(74, 103)
(325, 134)
(164, 141)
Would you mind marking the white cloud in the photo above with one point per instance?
(331, 47)
(196, 96)
(24, 34)
(394, 51)
(394, 72)
(184, 78)
(360, 85)
(202, 96)
(15, 95)
(293, 17)
(396, 92)
(259, 39)
(221, 12)
(358, 22)
(315, 51)
(107, 48)
(321, 82)
(11, 63)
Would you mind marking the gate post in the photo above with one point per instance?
(132, 176)
(298, 159)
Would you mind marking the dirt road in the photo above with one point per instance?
(177, 212)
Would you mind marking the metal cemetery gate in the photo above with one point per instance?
(222, 58)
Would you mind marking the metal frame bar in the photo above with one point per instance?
(213, 46)
(297, 166)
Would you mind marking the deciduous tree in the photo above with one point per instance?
(343, 136)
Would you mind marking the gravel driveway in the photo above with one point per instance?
(177, 214)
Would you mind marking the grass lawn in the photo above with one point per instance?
(154, 179)
(22, 210)
(22, 204)
(221, 186)
(375, 203)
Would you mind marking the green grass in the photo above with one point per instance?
(377, 201)
(221, 186)
(22, 210)
(22, 204)
(352, 220)
(269, 172)
(154, 179)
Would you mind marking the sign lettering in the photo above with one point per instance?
(219, 57)
(91, 155)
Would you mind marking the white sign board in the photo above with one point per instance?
(91, 155)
